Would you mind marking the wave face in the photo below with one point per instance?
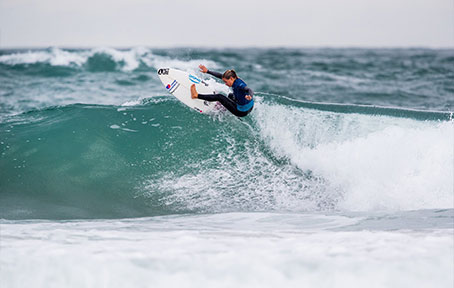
(157, 158)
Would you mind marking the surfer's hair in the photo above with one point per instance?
(229, 74)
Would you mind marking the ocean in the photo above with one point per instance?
(341, 176)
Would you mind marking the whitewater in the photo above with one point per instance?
(342, 176)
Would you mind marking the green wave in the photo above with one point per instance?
(85, 160)
(101, 161)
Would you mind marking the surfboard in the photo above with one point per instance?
(178, 83)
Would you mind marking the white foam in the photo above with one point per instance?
(60, 57)
(55, 57)
(375, 162)
(131, 103)
(114, 126)
(128, 60)
(240, 177)
(338, 161)
(224, 250)
(24, 58)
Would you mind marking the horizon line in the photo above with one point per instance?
(372, 47)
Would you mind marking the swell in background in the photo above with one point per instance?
(408, 78)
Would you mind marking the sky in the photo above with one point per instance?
(230, 23)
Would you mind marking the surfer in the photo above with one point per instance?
(240, 103)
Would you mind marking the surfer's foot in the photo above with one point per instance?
(194, 93)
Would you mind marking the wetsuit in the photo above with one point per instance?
(236, 103)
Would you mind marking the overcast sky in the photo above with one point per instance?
(230, 23)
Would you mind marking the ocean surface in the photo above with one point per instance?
(342, 175)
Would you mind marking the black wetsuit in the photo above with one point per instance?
(236, 102)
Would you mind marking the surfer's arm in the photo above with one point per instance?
(249, 93)
(215, 74)
(204, 69)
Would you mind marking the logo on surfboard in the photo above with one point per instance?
(172, 87)
(194, 79)
(163, 71)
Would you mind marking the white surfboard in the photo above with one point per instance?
(178, 83)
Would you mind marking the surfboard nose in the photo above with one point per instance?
(163, 71)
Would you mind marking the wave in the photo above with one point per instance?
(364, 109)
(374, 161)
(157, 157)
(95, 60)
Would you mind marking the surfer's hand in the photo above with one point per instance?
(248, 97)
(203, 68)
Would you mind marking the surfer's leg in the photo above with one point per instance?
(210, 97)
(229, 104)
